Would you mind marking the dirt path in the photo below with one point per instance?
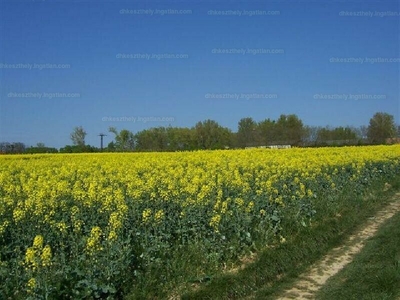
(311, 281)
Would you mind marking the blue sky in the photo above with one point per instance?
(81, 78)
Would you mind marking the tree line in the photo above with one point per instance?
(209, 134)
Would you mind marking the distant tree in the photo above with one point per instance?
(381, 126)
(364, 131)
(18, 147)
(361, 132)
(290, 129)
(78, 136)
(311, 135)
(180, 138)
(210, 135)
(337, 136)
(234, 140)
(4, 147)
(160, 139)
(295, 128)
(12, 148)
(153, 139)
(344, 133)
(78, 149)
(247, 132)
(111, 147)
(144, 140)
(324, 134)
(267, 132)
(40, 148)
(163, 139)
(124, 140)
(205, 135)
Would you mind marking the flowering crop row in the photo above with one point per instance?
(86, 225)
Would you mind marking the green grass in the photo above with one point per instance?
(375, 271)
(276, 269)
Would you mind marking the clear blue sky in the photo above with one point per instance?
(88, 36)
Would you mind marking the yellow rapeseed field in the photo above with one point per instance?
(79, 223)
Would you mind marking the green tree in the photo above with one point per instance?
(267, 132)
(311, 135)
(210, 135)
(361, 132)
(153, 139)
(78, 136)
(78, 149)
(111, 147)
(290, 129)
(247, 133)
(381, 127)
(40, 148)
(324, 135)
(344, 133)
(124, 140)
(180, 138)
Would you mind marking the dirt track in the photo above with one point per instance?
(311, 281)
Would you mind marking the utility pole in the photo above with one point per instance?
(101, 135)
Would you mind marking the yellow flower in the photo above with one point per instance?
(159, 216)
(279, 200)
(115, 220)
(30, 258)
(250, 206)
(62, 227)
(36, 255)
(4, 226)
(239, 202)
(112, 236)
(214, 223)
(146, 215)
(31, 284)
(18, 215)
(77, 224)
(224, 207)
(93, 243)
(46, 256)
(38, 242)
